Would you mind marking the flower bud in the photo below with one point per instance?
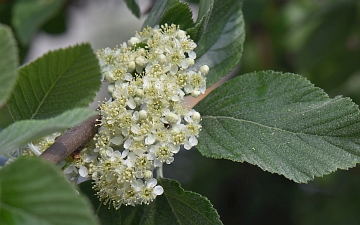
(148, 174)
(111, 88)
(196, 117)
(195, 93)
(204, 70)
(133, 41)
(142, 114)
(139, 92)
(140, 61)
(172, 118)
(131, 66)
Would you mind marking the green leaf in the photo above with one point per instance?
(324, 55)
(58, 81)
(5, 117)
(174, 206)
(30, 15)
(205, 7)
(219, 35)
(134, 7)
(5, 12)
(58, 24)
(334, 23)
(8, 62)
(32, 191)
(22, 132)
(281, 123)
(170, 12)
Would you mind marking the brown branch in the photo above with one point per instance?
(73, 139)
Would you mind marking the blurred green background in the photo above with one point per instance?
(319, 39)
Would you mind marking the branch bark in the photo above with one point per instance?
(73, 139)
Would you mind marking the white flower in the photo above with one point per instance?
(158, 190)
(133, 41)
(150, 190)
(83, 171)
(150, 139)
(117, 140)
(192, 141)
(146, 121)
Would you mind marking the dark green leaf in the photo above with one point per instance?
(5, 117)
(33, 192)
(8, 62)
(30, 15)
(174, 206)
(22, 132)
(134, 7)
(205, 7)
(281, 123)
(220, 35)
(5, 12)
(325, 55)
(170, 12)
(58, 81)
(335, 23)
(58, 24)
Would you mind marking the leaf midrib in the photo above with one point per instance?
(265, 126)
(52, 86)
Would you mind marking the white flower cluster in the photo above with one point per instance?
(145, 122)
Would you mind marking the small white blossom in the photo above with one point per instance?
(83, 171)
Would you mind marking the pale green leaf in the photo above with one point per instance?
(58, 81)
(30, 15)
(33, 192)
(281, 123)
(134, 7)
(204, 12)
(22, 132)
(8, 62)
(220, 35)
(170, 12)
(205, 7)
(174, 206)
